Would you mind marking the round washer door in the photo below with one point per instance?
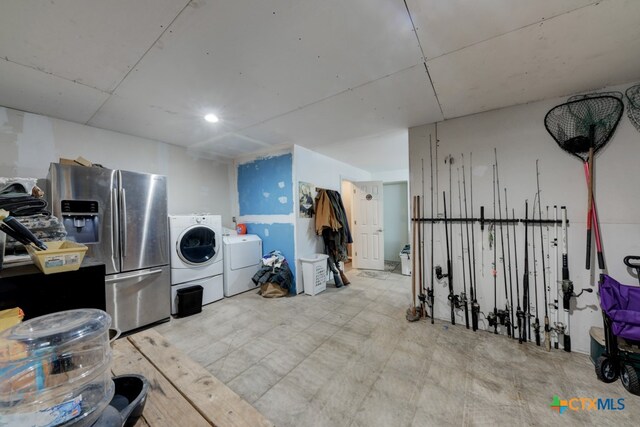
(197, 245)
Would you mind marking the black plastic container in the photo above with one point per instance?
(189, 301)
(127, 404)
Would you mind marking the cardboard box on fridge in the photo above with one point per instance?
(80, 161)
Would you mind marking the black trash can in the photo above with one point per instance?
(189, 301)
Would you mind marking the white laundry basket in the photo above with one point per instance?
(314, 273)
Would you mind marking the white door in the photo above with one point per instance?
(368, 236)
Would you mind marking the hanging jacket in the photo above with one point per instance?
(332, 224)
(325, 214)
(341, 214)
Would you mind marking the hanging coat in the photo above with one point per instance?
(325, 214)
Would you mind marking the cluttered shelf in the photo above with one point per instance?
(181, 392)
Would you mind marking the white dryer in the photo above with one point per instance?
(242, 259)
(196, 255)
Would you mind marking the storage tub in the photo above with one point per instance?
(60, 256)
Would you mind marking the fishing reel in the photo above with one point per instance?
(439, 274)
(492, 319)
(429, 296)
(455, 300)
(463, 298)
(475, 307)
(536, 328)
(507, 322)
(568, 293)
(503, 316)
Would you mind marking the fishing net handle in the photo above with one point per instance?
(592, 218)
(589, 164)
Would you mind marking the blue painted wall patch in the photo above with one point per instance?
(265, 186)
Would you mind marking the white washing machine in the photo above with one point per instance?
(242, 259)
(196, 256)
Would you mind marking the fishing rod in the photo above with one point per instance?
(437, 174)
(547, 275)
(411, 314)
(519, 312)
(463, 294)
(547, 332)
(492, 318)
(552, 330)
(456, 298)
(548, 254)
(450, 159)
(506, 214)
(567, 285)
(430, 294)
(536, 325)
(472, 269)
(548, 257)
(481, 238)
(421, 296)
(556, 323)
(526, 302)
(449, 274)
(504, 316)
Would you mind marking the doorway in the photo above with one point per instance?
(396, 223)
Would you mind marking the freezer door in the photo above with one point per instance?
(95, 186)
(139, 298)
(144, 240)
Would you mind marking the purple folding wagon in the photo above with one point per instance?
(621, 314)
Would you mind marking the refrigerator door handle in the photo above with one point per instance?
(120, 277)
(114, 198)
(123, 201)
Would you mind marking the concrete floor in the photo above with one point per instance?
(348, 357)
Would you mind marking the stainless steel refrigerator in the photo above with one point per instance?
(122, 217)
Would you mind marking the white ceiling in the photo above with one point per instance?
(313, 73)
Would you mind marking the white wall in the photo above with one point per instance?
(396, 219)
(391, 176)
(323, 172)
(386, 152)
(520, 137)
(29, 142)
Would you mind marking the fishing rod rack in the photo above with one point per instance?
(484, 221)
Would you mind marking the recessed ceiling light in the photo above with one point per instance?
(211, 118)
